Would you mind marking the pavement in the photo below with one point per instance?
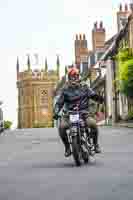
(125, 124)
(119, 124)
(33, 167)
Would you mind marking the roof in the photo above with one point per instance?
(109, 42)
(98, 82)
(113, 48)
(114, 41)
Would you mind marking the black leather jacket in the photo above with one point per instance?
(71, 97)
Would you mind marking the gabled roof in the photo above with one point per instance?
(113, 48)
(98, 82)
(109, 42)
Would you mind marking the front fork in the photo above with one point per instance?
(74, 132)
(88, 141)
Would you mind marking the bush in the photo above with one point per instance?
(7, 124)
(130, 115)
(125, 74)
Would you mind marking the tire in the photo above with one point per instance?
(1, 130)
(85, 157)
(76, 151)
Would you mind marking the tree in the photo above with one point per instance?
(7, 124)
(125, 73)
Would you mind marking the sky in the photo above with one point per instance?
(46, 28)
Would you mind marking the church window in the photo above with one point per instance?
(44, 98)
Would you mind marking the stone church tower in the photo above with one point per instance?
(35, 95)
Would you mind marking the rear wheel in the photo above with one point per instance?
(76, 151)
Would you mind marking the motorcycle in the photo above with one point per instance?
(80, 138)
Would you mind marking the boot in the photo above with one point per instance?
(97, 148)
(67, 151)
(95, 140)
(64, 138)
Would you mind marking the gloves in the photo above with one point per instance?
(55, 116)
(56, 111)
(101, 99)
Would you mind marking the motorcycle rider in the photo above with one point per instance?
(76, 93)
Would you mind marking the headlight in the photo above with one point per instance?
(74, 129)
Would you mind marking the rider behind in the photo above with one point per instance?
(76, 93)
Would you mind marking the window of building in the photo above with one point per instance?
(44, 97)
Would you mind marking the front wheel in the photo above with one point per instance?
(76, 150)
(85, 156)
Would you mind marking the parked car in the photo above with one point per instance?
(1, 120)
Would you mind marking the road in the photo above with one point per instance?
(33, 167)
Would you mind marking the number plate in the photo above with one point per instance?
(74, 118)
